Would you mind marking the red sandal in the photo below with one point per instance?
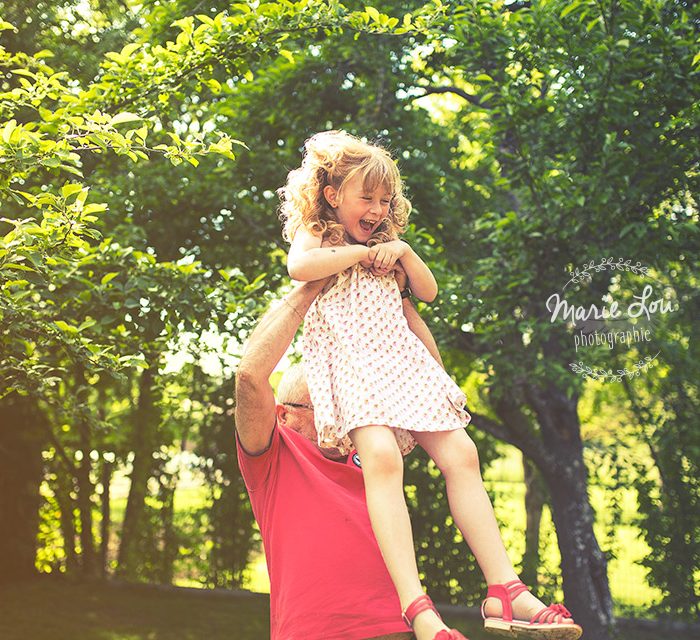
(546, 624)
(423, 603)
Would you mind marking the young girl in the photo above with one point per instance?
(374, 385)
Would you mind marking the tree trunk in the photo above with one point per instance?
(145, 426)
(535, 498)
(584, 566)
(63, 488)
(557, 451)
(22, 438)
(106, 523)
(85, 491)
(170, 541)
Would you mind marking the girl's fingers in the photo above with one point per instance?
(379, 259)
(389, 259)
(384, 257)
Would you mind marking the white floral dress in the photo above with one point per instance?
(364, 366)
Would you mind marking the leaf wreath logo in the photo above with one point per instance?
(625, 319)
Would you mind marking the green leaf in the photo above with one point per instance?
(287, 54)
(68, 190)
(18, 267)
(572, 7)
(214, 85)
(372, 13)
(8, 129)
(130, 48)
(108, 277)
(123, 117)
(94, 207)
(65, 327)
(89, 322)
(31, 198)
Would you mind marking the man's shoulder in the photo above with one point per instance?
(281, 439)
(258, 467)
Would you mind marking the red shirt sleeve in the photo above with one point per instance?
(256, 469)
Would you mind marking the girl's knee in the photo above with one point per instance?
(383, 459)
(380, 455)
(461, 455)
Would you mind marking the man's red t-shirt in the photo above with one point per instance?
(328, 580)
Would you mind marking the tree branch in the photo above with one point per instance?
(63, 456)
(527, 445)
(459, 92)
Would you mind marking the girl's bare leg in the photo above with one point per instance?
(456, 456)
(382, 469)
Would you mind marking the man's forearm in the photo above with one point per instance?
(276, 330)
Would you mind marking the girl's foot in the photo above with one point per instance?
(510, 609)
(422, 616)
(524, 607)
(427, 625)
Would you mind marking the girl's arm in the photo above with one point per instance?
(420, 277)
(418, 326)
(415, 322)
(308, 260)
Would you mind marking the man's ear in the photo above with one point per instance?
(281, 412)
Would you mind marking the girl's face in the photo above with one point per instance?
(360, 212)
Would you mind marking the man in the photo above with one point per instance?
(327, 577)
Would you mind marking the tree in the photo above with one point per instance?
(53, 271)
(56, 270)
(572, 113)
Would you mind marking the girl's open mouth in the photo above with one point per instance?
(367, 225)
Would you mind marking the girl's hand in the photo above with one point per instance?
(366, 262)
(385, 254)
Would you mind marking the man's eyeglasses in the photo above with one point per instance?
(300, 405)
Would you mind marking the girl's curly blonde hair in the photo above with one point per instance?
(332, 158)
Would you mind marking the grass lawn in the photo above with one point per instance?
(55, 609)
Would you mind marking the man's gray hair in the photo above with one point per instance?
(292, 386)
